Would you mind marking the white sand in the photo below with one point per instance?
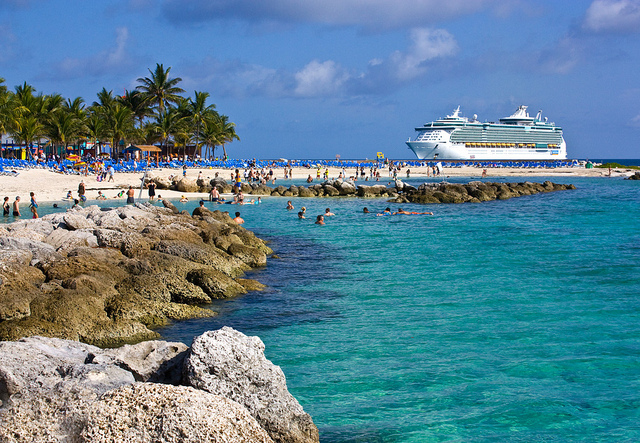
(51, 186)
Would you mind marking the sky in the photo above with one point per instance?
(320, 78)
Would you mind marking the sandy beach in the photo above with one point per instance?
(50, 186)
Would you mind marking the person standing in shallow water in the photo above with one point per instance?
(152, 190)
(130, 194)
(33, 205)
(16, 207)
(81, 189)
(6, 207)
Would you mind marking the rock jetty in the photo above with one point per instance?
(475, 192)
(108, 276)
(397, 190)
(223, 389)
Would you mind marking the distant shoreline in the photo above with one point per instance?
(50, 186)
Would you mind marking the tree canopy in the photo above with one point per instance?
(154, 112)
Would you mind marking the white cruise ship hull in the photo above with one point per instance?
(517, 137)
(458, 151)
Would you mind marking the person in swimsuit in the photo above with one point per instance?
(289, 205)
(6, 207)
(16, 207)
(214, 195)
(152, 190)
(320, 220)
(387, 211)
(33, 205)
(130, 193)
(328, 213)
(401, 212)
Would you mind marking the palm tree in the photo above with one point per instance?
(62, 127)
(210, 136)
(96, 130)
(28, 130)
(226, 131)
(119, 124)
(167, 124)
(199, 112)
(7, 114)
(137, 102)
(106, 99)
(159, 89)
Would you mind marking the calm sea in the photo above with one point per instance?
(514, 320)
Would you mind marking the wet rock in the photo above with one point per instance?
(215, 284)
(112, 283)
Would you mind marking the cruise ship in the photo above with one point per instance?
(517, 137)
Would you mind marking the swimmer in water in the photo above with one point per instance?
(401, 212)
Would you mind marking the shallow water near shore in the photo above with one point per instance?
(509, 320)
(512, 320)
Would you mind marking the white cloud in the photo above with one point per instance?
(317, 79)
(112, 59)
(562, 58)
(635, 121)
(325, 78)
(613, 16)
(427, 44)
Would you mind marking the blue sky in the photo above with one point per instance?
(313, 79)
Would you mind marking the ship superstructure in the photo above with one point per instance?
(517, 137)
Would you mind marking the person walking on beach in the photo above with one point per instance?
(152, 190)
(16, 207)
(6, 207)
(130, 194)
(238, 219)
(33, 205)
(111, 172)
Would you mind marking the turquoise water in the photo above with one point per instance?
(514, 320)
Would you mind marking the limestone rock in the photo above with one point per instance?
(78, 221)
(187, 185)
(228, 363)
(215, 283)
(153, 361)
(166, 413)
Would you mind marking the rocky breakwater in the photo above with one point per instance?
(109, 276)
(223, 389)
(475, 192)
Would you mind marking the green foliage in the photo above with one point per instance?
(153, 112)
(616, 165)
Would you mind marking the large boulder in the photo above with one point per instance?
(228, 363)
(166, 413)
(187, 185)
